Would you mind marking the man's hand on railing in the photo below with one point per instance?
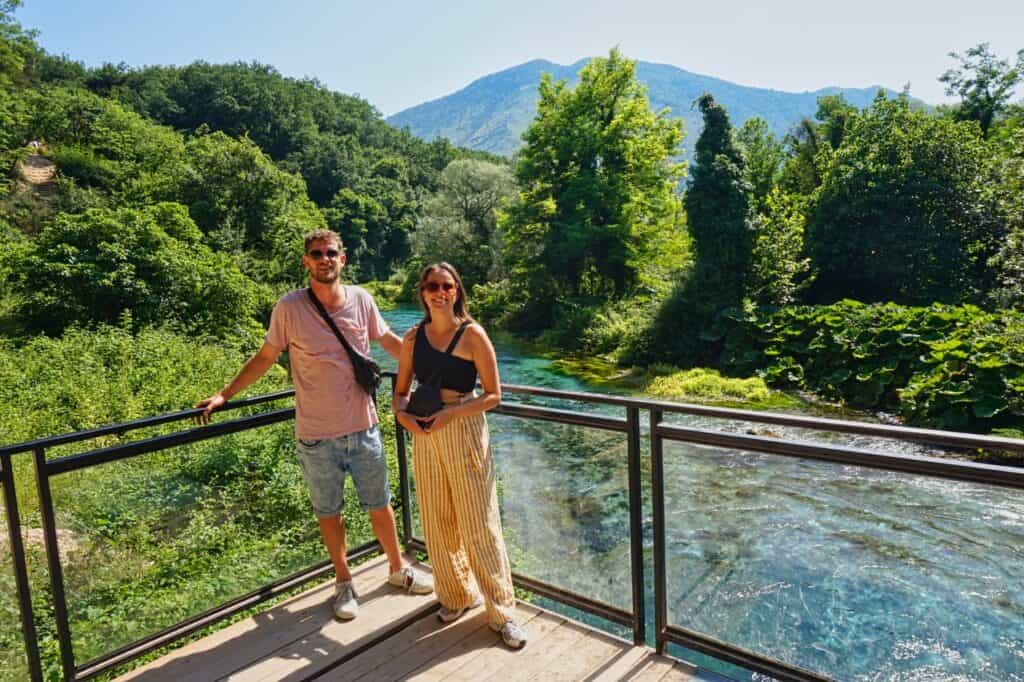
(214, 402)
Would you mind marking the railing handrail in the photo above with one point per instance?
(940, 437)
(124, 427)
(937, 437)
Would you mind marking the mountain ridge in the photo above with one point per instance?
(491, 112)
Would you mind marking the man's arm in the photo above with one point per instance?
(391, 344)
(251, 371)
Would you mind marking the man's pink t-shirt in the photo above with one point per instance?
(328, 401)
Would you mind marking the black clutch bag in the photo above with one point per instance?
(425, 401)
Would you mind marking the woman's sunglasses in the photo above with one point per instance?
(434, 287)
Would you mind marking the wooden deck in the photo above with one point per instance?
(398, 637)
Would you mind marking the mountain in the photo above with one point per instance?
(491, 113)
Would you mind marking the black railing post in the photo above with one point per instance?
(28, 621)
(658, 504)
(636, 525)
(60, 606)
(403, 477)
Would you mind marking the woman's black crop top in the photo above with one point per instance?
(432, 366)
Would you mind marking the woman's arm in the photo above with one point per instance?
(403, 383)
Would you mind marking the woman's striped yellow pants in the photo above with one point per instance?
(455, 486)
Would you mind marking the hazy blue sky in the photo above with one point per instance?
(397, 54)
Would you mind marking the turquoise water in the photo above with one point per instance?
(854, 573)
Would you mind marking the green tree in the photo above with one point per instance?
(598, 189)
(779, 268)
(15, 45)
(244, 203)
(723, 227)
(1009, 261)
(812, 142)
(764, 156)
(984, 84)
(459, 223)
(904, 211)
(377, 214)
(719, 210)
(149, 263)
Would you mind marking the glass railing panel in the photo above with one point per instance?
(158, 538)
(851, 572)
(564, 494)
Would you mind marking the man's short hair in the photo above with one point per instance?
(326, 235)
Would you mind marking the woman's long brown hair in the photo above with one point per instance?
(459, 308)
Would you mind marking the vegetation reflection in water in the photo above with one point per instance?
(855, 573)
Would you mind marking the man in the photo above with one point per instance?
(336, 423)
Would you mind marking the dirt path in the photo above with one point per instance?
(39, 174)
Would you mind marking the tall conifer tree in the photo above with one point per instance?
(719, 210)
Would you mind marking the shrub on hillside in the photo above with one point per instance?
(97, 266)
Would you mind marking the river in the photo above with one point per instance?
(851, 572)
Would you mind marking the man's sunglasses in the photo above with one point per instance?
(433, 287)
(317, 254)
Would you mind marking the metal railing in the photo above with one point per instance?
(630, 424)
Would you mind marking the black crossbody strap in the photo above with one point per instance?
(334, 328)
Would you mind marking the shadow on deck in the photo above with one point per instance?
(397, 636)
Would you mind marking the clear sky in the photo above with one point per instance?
(398, 54)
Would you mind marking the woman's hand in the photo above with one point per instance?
(439, 420)
(409, 422)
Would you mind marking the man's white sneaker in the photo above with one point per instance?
(447, 615)
(512, 634)
(345, 605)
(411, 580)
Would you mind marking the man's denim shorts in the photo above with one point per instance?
(325, 463)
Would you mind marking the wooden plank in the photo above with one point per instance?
(501, 659)
(244, 642)
(683, 672)
(480, 642)
(591, 651)
(544, 653)
(415, 647)
(653, 669)
(312, 652)
(620, 666)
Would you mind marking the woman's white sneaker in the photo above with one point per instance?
(512, 633)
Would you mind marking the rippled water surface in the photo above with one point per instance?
(851, 572)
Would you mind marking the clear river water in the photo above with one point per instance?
(854, 573)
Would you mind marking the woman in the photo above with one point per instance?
(455, 482)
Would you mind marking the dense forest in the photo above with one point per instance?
(873, 256)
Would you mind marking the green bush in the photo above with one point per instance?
(945, 366)
(100, 265)
(707, 385)
(85, 379)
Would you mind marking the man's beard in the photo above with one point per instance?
(329, 277)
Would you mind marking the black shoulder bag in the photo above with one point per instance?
(426, 399)
(366, 370)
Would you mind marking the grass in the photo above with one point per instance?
(698, 385)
